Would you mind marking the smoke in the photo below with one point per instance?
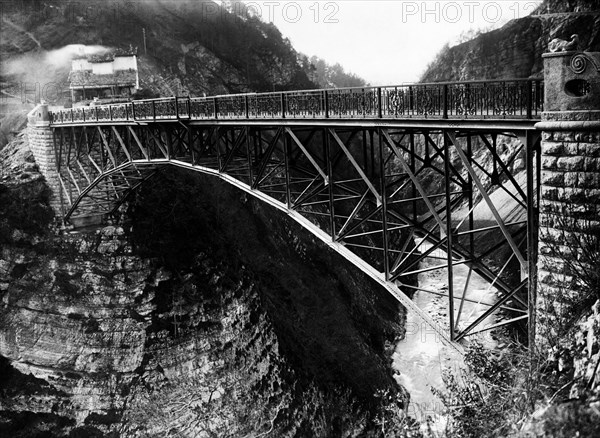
(45, 68)
(64, 55)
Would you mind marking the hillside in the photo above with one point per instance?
(515, 50)
(190, 46)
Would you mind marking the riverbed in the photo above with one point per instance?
(421, 358)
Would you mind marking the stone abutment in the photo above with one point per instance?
(570, 192)
(40, 137)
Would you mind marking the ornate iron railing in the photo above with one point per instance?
(501, 99)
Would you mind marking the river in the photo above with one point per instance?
(419, 359)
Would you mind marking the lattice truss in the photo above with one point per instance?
(394, 197)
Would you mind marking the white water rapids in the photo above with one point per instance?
(420, 358)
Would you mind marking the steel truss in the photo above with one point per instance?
(387, 197)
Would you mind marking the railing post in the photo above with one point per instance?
(283, 105)
(216, 107)
(110, 112)
(133, 110)
(96, 111)
(154, 111)
(379, 104)
(445, 101)
(189, 107)
(410, 100)
(326, 103)
(176, 107)
(529, 99)
(71, 115)
(246, 107)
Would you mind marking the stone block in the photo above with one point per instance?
(552, 178)
(547, 136)
(570, 163)
(572, 195)
(563, 136)
(552, 148)
(549, 193)
(549, 163)
(570, 179)
(592, 196)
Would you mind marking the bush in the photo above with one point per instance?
(497, 394)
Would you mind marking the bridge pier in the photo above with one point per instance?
(41, 143)
(569, 191)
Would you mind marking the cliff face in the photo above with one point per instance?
(515, 50)
(203, 314)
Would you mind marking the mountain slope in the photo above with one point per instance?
(515, 50)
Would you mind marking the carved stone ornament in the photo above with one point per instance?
(558, 45)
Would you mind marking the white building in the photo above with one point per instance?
(114, 74)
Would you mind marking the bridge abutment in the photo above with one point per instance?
(41, 143)
(569, 191)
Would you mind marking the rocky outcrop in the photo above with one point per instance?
(515, 50)
(574, 409)
(202, 313)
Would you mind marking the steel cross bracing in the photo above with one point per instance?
(385, 197)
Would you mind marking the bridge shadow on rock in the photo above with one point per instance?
(335, 327)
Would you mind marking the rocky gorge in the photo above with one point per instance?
(232, 322)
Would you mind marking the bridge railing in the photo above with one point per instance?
(499, 99)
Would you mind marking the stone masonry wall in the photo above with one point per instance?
(570, 199)
(39, 135)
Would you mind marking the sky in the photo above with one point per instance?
(384, 41)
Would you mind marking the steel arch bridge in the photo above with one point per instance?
(386, 176)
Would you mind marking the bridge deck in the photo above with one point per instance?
(503, 104)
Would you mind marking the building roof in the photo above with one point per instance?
(111, 55)
(85, 78)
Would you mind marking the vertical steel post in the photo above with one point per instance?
(471, 202)
(469, 190)
(413, 169)
(384, 224)
(532, 238)
(371, 133)
(218, 147)
(190, 133)
(364, 146)
(448, 188)
(249, 154)
(287, 143)
(327, 144)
